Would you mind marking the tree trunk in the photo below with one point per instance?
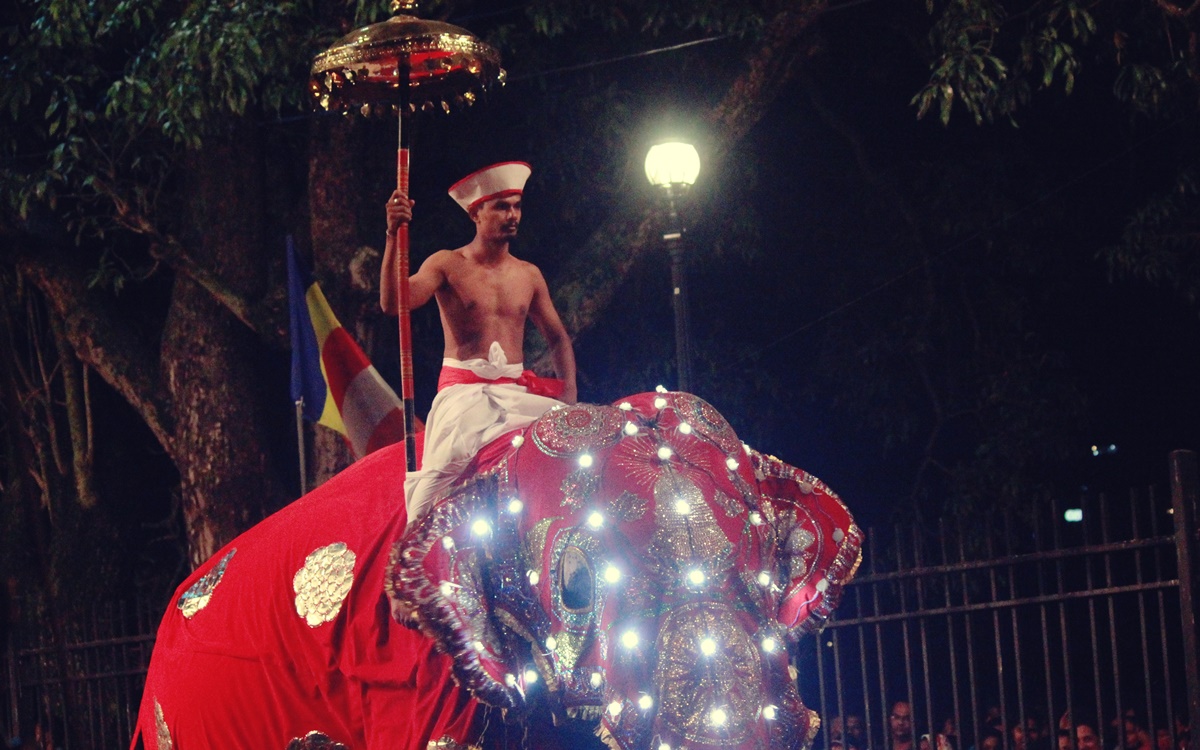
(208, 356)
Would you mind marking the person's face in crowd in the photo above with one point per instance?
(1033, 731)
(991, 742)
(1135, 736)
(835, 728)
(1162, 739)
(854, 727)
(1018, 737)
(900, 721)
(924, 743)
(1085, 738)
(1064, 741)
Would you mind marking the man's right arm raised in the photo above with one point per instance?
(424, 282)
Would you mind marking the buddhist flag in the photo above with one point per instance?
(340, 387)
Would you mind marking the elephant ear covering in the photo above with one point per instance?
(818, 545)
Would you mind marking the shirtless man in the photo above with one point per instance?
(484, 297)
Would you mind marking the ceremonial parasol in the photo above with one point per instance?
(404, 65)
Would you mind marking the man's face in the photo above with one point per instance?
(499, 218)
(854, 726)
(900, 721)
(1085, 738)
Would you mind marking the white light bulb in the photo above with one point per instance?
(769, 713)
(683, 507)
(586, 460)
(612, 574)
(597, 679)
(625, 406)
(708, 646)
(631, 428)
(446, 588)
(515, 506)
(551, 643)
(746, 448)
(756, 518)
(685, 428)
(534, 577)
(518, 440)
(531, 676)
(614, 708)
(479, 646)
(717, 717)
(510, 680)
(793, 672)
(645, 702)
(764, 578)
(732, 463)
(595, 519)
(448, 542)
(481, 528)
(769, 644)
(665, 453)
(660, 388)
(664, 746)
(660, 403)
(696, 577)
(629, 639)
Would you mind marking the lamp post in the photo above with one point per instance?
(672, 168)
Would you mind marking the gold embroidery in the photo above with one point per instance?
(322, 584)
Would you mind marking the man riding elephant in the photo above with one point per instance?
(484, 295)
(635, 566)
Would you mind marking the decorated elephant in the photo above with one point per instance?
(634, 566)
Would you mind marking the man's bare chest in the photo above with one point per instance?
(485, 291)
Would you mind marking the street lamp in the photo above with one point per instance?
(673, 167)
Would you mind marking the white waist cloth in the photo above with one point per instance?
(463, 419)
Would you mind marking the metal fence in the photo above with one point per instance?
(1031, 618)
(1009, 621)
(81, 687)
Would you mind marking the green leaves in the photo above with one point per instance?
(990, 58)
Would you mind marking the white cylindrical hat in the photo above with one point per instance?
(496, 181)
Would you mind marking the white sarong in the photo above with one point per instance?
(463, 419)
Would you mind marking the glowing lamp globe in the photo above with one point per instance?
(672, 163)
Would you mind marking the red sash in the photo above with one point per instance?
(548, 387)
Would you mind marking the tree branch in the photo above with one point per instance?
(590, 281)
(1173, 10)
(125, 363)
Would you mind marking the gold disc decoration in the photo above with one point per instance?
(445, 66)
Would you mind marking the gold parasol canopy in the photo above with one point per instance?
(445, 65)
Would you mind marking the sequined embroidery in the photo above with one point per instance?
(570, 430)
(315, 741)
(628, 507)
(535, 541)
(161, 731)
(446, 743)
(322, 584)
(578, 487)
(690, 687)
(686, 534)
(200, 593)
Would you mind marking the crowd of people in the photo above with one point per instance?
(994, 732)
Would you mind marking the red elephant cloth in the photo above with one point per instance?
(287, 631)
